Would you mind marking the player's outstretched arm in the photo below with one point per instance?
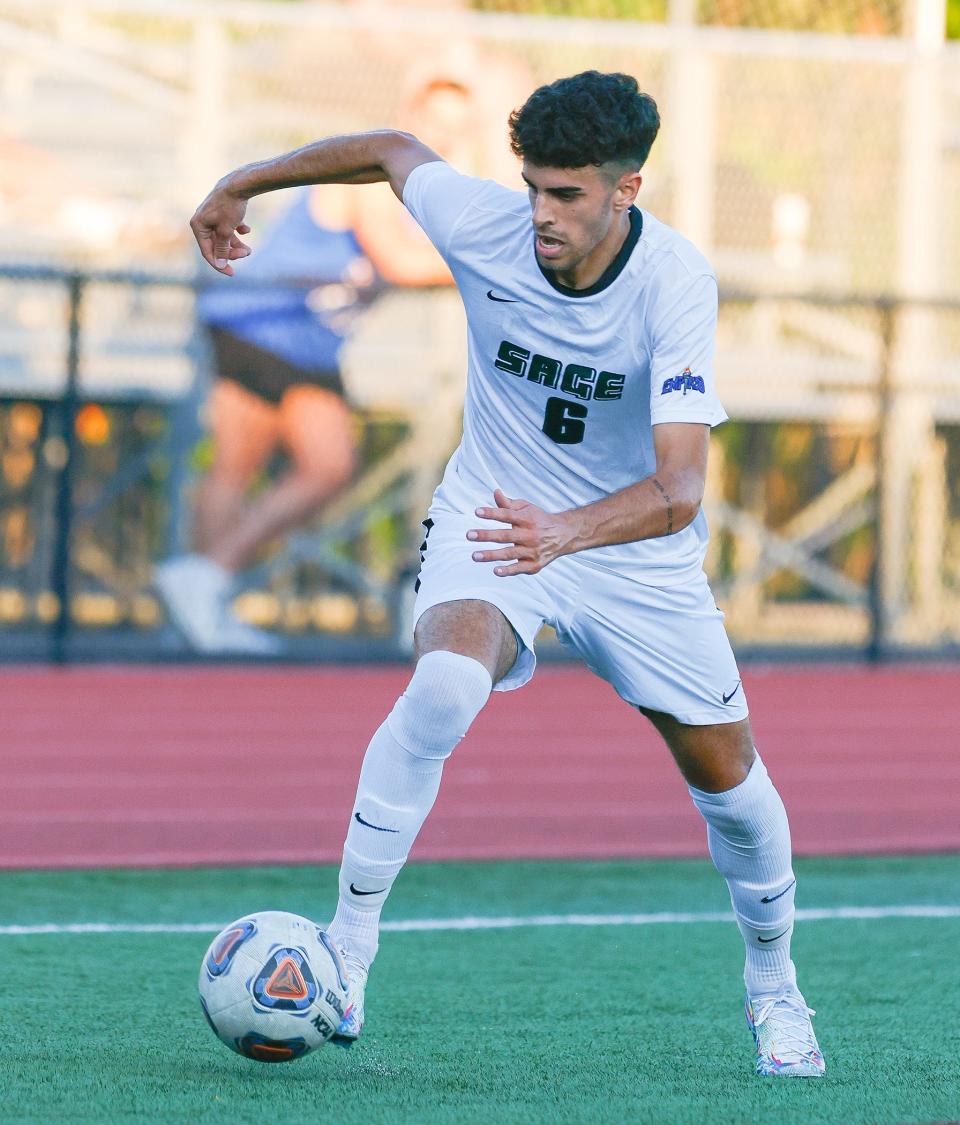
(360, 158)
(661, 504)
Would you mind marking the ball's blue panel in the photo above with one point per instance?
(223, 950)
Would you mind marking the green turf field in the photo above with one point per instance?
(563, 1023)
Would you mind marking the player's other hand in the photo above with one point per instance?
(535, 537)
(217, 224)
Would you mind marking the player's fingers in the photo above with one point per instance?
(502, 515)
(238, 249)
(506, 535)
(204, 237)
(243, 229)
(504, 501)
(524, 566)
(222, 237)
(211, 246)
(512, 552)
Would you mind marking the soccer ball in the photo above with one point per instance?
(273, 986)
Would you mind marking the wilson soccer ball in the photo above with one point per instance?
(273, 986)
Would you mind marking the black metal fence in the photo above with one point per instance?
(833, 492)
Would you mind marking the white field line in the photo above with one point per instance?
(829, 914)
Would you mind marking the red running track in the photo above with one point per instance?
(134, 766)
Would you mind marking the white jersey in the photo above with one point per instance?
(564, 386)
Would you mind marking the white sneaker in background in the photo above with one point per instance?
(238, 637)
(196, 592)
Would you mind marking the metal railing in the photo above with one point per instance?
(855, 551)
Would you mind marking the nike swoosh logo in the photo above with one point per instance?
(504, 300)
(376, 827)
(780, 895)
(727, 698)
(767, 940)
(355, 891)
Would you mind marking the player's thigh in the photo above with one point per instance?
(469, 605)
(244, 429)
(316, 429)
(470, 627)
(714, 757)
(663, 648)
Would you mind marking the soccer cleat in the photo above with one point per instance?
(352, 1023)
(195, 591)
(786, 1044)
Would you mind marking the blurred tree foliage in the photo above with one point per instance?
(864, 17)
(651, 11)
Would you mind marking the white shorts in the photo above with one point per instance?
(660, 647)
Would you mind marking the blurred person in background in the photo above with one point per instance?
(277, 385)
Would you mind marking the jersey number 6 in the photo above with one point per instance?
(562, 421)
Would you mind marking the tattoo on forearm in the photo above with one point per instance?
(663, 492)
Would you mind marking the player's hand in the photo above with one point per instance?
(535, 537)
(217, 224)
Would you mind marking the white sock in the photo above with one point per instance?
(398, 785)
(749, 840)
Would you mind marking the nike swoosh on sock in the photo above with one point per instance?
(780, 895)
(767, 940)
(376, 827)
(356, 891)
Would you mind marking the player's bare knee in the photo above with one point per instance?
(748, 815)
(445, 695)
(472, 627)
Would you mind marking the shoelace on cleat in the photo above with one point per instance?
(793, 1030)
(355, 967)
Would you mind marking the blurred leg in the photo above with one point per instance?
(196, 588)
(317, 431)
(245, 431)
(315, 428)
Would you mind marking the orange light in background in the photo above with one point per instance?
(93, 424)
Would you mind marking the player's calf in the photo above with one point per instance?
(749, 840)
(398, 785)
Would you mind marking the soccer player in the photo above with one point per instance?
(574, 499)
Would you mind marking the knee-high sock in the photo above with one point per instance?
(398, 785)
(749, 840)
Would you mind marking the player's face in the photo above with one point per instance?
(579, 218)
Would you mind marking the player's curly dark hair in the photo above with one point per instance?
(589, 118)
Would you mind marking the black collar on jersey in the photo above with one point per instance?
(612, 272)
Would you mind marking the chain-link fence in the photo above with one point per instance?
(833, 495)
(805, 145)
